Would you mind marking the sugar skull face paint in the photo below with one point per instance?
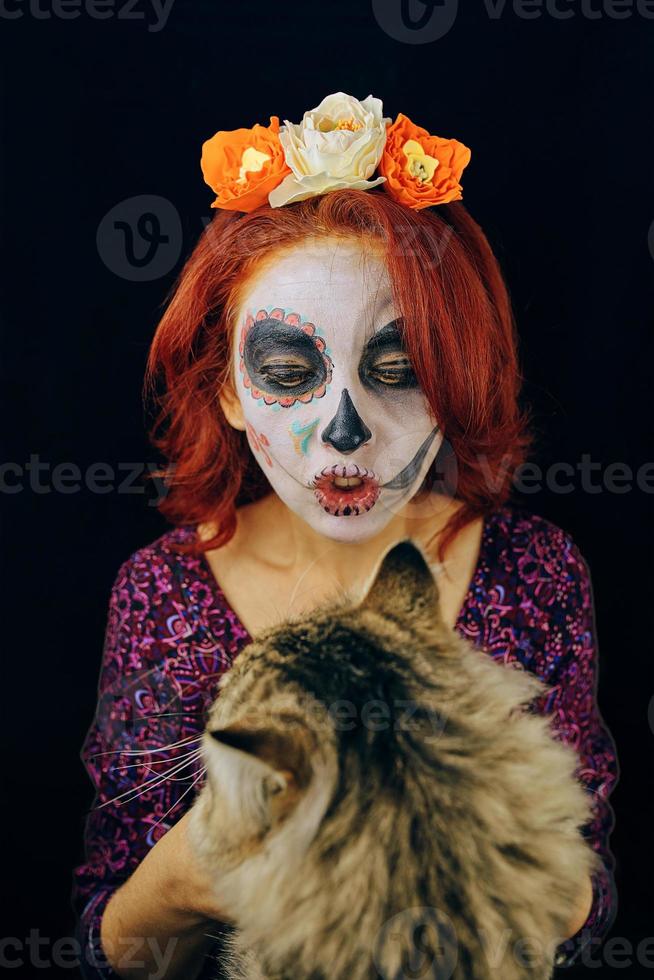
(301, 435)
(279, 333)
(259, 442)
(333, 411)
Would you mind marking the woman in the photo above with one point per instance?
(340, 372)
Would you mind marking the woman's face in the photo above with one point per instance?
(328, 398)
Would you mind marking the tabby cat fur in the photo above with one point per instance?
(383, 801)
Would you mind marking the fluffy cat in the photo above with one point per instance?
(381, 801)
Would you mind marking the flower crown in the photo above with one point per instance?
(339, 144)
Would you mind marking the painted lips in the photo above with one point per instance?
(346, 490)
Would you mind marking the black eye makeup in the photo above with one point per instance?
(288, 375)
(280, 360)
(385, 363)
(395, 371)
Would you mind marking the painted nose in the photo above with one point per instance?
(347, 430)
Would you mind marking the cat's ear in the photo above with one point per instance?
(403, 581)
(262, 770)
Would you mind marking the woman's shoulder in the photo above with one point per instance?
(159, 587)
(516, 530)
(164, 603)
(531, 597)
(534, 556)
(158, 564)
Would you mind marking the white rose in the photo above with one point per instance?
(337, 144)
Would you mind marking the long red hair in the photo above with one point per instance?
(458, 331)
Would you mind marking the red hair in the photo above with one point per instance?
(458, 331)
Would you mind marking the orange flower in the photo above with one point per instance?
(243, 165)
(420, 169)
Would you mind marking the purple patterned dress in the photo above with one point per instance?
(171, 634)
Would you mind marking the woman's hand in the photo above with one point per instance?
(160, 921)
(187, 881)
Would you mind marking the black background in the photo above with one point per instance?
(558, 115)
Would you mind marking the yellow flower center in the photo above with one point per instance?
(252, 160)
(350, 124)
(419, 164)
(327, 126)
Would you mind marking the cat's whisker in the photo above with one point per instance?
(163, 748)
(156, 762)
(161, 778)
(181, 779)
(150, 784)
(168, 714)
(311, 564)
(195, 781)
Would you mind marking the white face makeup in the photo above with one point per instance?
(333, 411)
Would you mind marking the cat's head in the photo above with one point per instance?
(311, 707)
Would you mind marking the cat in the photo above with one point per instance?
(382, 801)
